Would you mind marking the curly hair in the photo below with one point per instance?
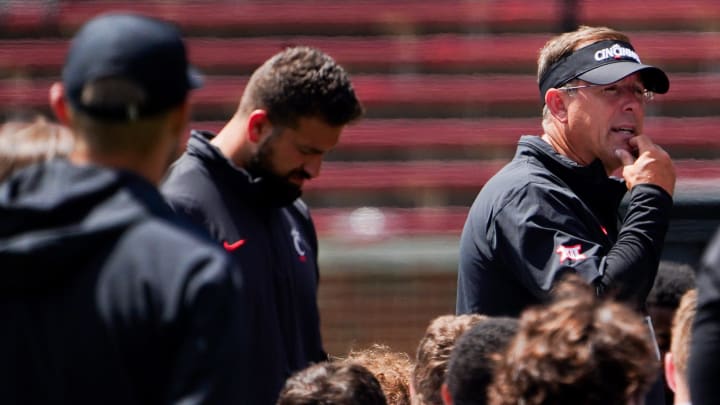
(672, 281)
(470, 369)
(682, 331)
(392, 369)
(24, 143)
(328, 383)
(577, 349)
(302, 82)
(433, 355)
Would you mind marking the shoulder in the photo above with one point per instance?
(521, 182)
(522, 199)
(167, 258)
(711, 256)
(175, 240)
(189, 186)
(522, 170)
(161, 265)
(184, 173)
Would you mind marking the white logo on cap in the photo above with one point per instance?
(616, 52)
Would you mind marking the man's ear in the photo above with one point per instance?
(670, 371)
(58, 104)
(258, 125)
(556, 104)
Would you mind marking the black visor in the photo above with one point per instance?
(603, 62)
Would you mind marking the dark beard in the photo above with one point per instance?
(271, 189)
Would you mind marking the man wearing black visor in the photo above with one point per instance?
(554, 209)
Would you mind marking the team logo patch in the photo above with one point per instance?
(571, 253)
(298, 246)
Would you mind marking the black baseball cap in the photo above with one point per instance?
(145, 51)
(603, 62)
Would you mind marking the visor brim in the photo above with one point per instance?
(653, 78)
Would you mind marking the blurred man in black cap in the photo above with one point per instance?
(107, 296)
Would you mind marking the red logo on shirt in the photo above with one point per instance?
(233, 246)
(571, 253)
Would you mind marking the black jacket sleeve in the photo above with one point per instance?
(629, 269)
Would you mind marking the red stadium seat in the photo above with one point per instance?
(457, 174)
(377, 15)
(443, 52)
(403, 91)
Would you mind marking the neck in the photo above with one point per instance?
(151, 166)
(682, 394)
(233, 142)
(561, 145)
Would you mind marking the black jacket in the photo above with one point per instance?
(704, 363)
(107, 298)
(277, 247)
(543, 215)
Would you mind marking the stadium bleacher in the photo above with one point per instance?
(278, 16)
(441, 52)
(414, 95)
(448, 86)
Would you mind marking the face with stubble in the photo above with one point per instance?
(287, 157)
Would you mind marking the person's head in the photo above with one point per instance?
(341, 383)
(392, 369)
(676, 360)
(433, 354)
(594, 89)
(576, 350)
(291, 114)
(673, 280)
(470, 369)
(124, 92)
(24, 143)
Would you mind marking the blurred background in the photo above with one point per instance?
(449, 86)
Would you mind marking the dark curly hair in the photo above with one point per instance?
(392, 370)
(433, 355)
(302, 82)
(470, 369)
(332, 383)
(672, 281)
(577, 350)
